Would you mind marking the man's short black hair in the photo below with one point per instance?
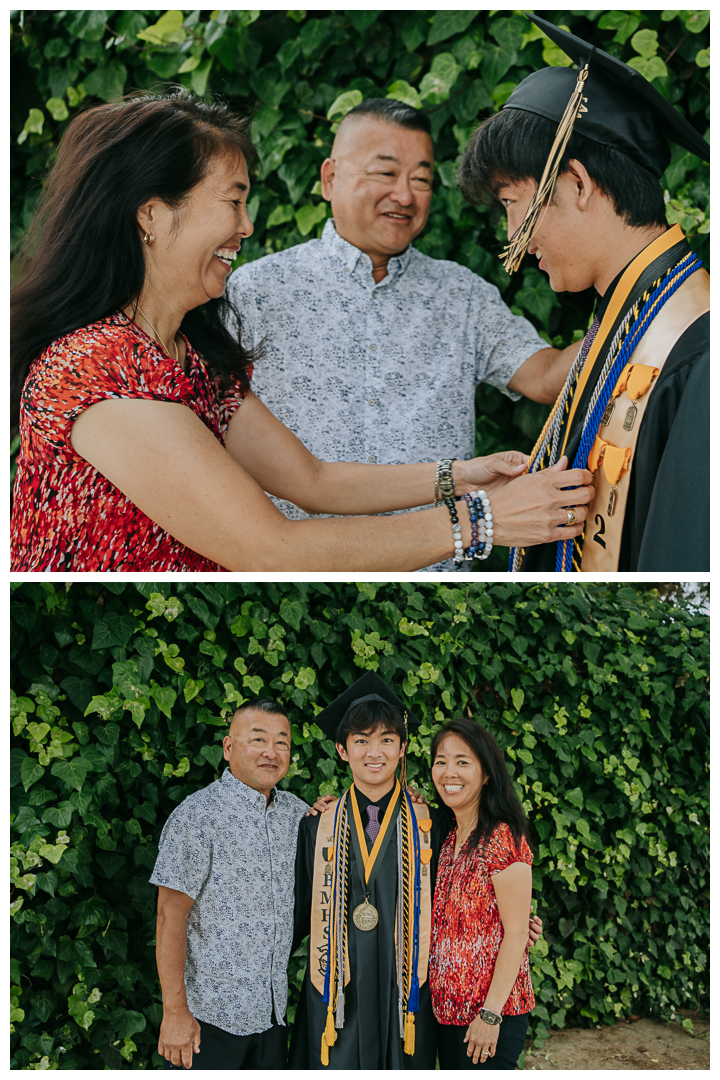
(263, 705)
(395, 112)
(513, 146)
(369, 716)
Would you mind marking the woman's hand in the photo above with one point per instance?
(481, 1039)
(416, 797)
(531, 510)
(489, 473)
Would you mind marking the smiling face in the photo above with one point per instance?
(373, 757)
(379, 182)
(257, 748)
(458, 775)
(190, 258)
(566, 233)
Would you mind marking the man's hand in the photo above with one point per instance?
(534, 930)
(321, 804)
(488, 473)
(179, 1038)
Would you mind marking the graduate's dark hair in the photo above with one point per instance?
(393, 111)
(498, 801)
(513, 146)
(369, 716)
(82, 258)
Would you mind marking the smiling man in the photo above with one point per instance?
(224, 926)
(373, 351)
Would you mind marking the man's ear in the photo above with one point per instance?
(327, 178)
(403, 748)
(227, 744)
(583, 186)
(341, 751)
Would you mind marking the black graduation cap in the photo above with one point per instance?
(612, 103)
(370, 687)
(624, 110)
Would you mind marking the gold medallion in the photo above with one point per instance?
(365, 916)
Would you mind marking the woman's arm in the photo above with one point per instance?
(513, 889)
(164, 459)
(259, 441)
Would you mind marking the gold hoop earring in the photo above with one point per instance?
(148, 239)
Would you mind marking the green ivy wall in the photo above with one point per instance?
(121, 696)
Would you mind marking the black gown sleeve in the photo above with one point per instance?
(304, 860)
(676, 533)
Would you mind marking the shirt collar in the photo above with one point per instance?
(249, 796)
(350, 257)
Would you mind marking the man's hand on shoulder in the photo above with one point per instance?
(321, 804)
(179, 1038)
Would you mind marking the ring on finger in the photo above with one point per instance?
(571, 515)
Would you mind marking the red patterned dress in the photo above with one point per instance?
(66, 515)
(467, 931)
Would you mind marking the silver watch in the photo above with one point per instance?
(490, 1017)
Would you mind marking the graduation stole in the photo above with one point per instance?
(605, 396)
(328, 953)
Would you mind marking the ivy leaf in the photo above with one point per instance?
(307, 217)
(344, 103)
(401, 90)
(650, 68)
(536, 296)
(107, 81)
(495, 63)
(43, 1004)
(164, 697)
(623, 22)
(73, 773)
(212, 754)
(17, 757)
(80, 691)
(30, 772)
(445, 24)
(291, 611)
(435, 87)
(131, 1023)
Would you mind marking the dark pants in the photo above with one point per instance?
(452, 1050)
(221, 1050)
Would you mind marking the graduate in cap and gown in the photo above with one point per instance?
(363, 891)
(576, 157)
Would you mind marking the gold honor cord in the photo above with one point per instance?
(365, 916)
(517, 246)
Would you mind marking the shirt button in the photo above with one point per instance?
(374, 295)
(372, 347)
(372, 457)
(363, 260)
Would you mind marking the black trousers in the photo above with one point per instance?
(221, 1050)
(452, 1050)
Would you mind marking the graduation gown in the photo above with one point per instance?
(667, 519)
(370, 1038)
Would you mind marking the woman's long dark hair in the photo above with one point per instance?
(498, 801)
(82, 257)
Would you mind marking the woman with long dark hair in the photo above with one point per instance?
(479, 968)
(142, 445)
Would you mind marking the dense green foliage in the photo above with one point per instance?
(299, 72)
(121, 696)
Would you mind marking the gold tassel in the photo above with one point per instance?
(409, 1046)
(329, 1038)
(403, 759)
(517, 246)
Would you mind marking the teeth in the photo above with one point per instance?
(453, 787)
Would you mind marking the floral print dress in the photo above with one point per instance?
(66, 515)
(467, 930)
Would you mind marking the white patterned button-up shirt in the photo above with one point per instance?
(235, 857)
(376, 372)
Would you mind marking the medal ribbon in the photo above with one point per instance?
(615, 460)
(371, 862)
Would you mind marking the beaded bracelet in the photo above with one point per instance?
(459, 554)
(444, 483)
(481, 528)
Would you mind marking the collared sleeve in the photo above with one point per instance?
(185, 852)
(503, 341)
